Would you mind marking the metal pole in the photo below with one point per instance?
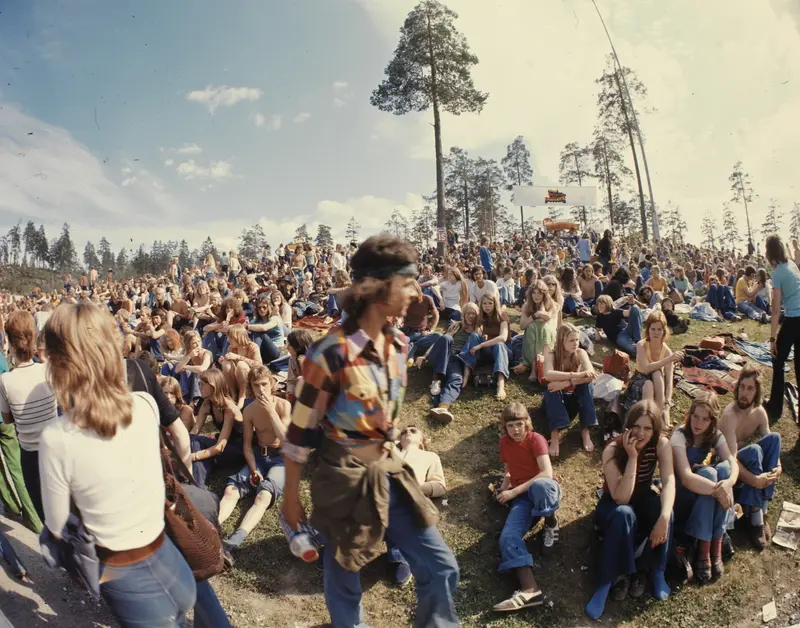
(656, 230)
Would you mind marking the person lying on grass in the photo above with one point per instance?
(631, 514)
(570, 389)
(530, 491)
(427, 467)
(707, 472)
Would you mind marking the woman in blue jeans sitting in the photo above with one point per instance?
(450, 372)
(266, 329)
(490, 348)
(631, 514)
(707, 472)
(623, 328)
(530, 491)
(570, 387)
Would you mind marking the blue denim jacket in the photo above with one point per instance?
(75, 552)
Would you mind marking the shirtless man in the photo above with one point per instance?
(267, 417)
(759, 463)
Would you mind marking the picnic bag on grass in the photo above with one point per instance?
(713, 342)
(618, 365)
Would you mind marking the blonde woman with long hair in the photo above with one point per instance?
(225, 447)
(538, 316)
(490, 347)
(450, 371)
(570, 389)
(242, 355)
(103, 457)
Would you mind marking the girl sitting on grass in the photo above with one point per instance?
(530, 491)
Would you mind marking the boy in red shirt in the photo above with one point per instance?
(530, 490)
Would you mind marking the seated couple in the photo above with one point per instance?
(479, 338)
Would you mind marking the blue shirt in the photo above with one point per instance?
(585, 250)
(786, 277)
(486, 259)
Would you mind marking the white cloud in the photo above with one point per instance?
(169, 162)
(259, 120)
(216, 170)
(339, 85)
(301, 117)
(128, 181)
(276, 123)
(189, 149)
(215, 96)
(338, 103)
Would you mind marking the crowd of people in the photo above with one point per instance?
(307, 351)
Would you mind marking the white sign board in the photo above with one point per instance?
(542, 196)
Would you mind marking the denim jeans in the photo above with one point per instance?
(450, 314)
(419, 343)
(11, 557)
(208, 612)
(571, 304)
(701, 516)
(215, 342)
(433, 294)
(561, 406)
(232, 455)
(432, 563)
(496, 355)
(541, 500)
(269, 350)
(445, 363)
(750, 310)
(788, 338)
(758, 458)
(625, 527)
(155, 592)
(632, 333)
(721, 299)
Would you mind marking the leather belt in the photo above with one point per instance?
(124, 558)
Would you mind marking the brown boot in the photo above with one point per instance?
(757, 536)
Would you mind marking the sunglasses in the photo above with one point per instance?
(409, 430)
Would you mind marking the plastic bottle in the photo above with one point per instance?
(301, 541)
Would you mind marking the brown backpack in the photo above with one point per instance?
(618, 364)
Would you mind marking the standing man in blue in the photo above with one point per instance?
(352, 389)
(585, 248)
(486, 258)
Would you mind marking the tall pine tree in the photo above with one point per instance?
(517, 168)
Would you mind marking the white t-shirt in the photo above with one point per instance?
(678, 439)
(476, 293)
(40, 319)
(116, 483)
(451, 294)
(26, 395)
(426, 465)
(338, 262)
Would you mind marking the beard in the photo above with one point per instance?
(744, 405)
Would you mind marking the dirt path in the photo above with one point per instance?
(52, 599)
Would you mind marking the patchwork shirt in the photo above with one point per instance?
(348, 394)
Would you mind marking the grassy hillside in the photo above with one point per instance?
(268, 587)
(22, 279)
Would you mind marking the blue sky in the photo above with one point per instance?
(214, 116)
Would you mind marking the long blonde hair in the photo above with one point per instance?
(547, 300)
(86, 369)
(560, 356)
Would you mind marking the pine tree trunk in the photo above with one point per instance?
(608, 184)
(437, 134)
(466, 209)
(642, 210)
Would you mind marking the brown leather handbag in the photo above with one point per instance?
(197, 538)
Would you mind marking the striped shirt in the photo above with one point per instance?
(28, 398)
(646, 467)
(348, 392)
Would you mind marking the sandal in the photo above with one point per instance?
(520, 600)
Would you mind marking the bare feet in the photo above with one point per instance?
(588, 445)
(532, 377)
(520, 369)
(501, 391)
(555, 442)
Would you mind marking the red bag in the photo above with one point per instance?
(713, 342)
(618, 364)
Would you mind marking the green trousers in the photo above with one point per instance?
(12, 485)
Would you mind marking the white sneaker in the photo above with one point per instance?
(436, 388)
(550, 536)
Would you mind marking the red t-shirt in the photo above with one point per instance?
(521, 457)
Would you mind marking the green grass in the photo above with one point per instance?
(268, 587)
